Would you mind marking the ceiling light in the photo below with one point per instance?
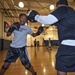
(21, 4)
(43, 25)
(51, 7)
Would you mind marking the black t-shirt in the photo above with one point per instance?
(66, 22)
(60, 12)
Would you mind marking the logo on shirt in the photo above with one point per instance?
(22, 29)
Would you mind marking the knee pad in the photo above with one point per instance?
(5, 68)
(28, 66)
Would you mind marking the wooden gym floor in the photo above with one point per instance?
(43, 61)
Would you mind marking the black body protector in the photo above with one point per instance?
(66, 23)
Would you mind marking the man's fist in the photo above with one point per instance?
(14, 26)
(31, 15)
(40, 30)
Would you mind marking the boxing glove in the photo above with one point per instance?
(31, 15)
(40, 30)
(14, 26)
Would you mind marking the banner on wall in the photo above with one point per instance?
(6, 26)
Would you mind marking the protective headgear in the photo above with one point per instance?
(65, 2)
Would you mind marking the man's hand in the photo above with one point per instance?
(14, 26)
(34, 35)
(8, 34)
(31, 15)
(40, 30)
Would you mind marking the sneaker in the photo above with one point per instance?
(35, 73)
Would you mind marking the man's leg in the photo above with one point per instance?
(4, 68)
(61, 73)
(25, 60)
(30, 68)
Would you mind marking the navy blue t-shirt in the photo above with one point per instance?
(66, 22)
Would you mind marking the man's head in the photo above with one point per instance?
(23, 19)
(62, 2)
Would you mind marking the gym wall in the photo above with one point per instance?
(4, 41)
(1, 25)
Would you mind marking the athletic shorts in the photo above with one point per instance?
(65, 58)
(14, 53)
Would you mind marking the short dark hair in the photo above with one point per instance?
(65, 2)
(22, 15)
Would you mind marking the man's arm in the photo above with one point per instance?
(14, 26)
(34, 35)
(33, 16)
(49, 19)
(57, 15)
(39, 31)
